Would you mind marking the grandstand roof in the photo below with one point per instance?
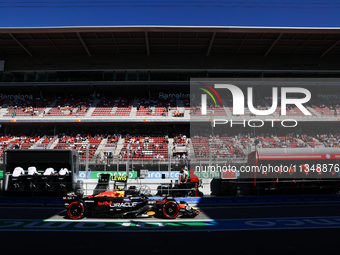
(159, 39)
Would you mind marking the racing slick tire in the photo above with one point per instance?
(170, 209)
(76, 210)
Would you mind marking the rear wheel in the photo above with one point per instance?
(76, 210)
(170, 209)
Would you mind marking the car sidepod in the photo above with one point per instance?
(117, 207)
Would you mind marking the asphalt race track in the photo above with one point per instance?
(274, 229)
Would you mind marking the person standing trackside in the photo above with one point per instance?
(183, 178)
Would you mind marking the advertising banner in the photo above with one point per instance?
(167, 174)
(175, 174)
(96, 174)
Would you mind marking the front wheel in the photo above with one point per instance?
(170, 209)
(76, 210)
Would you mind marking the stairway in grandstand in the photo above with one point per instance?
(171, 146)
(313, 111)
(37, 144)
(227, 111)
(3, 111)
(47, 109)
(119, 147)
(101, 148)
(302, 142)
(133, 112)
(276, 113)
(180, 106)
(191, 150)
(311, 142)
(53, 144)
(179, 103)
(92, 108)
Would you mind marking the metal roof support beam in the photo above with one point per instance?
(21, 45)
(114, 39)
(30, 36)
(179, 41)
(211, 43)
(303, 43)
(83, 43)
(242, 43)
(323, 54)
(52, 43)
(147, 43)
(273, 44)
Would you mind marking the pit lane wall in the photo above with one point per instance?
(155, 180)
(153, 185)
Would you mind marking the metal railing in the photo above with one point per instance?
(112, 164)
(155, 188)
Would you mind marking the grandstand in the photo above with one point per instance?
(125, 90)
(145, 147)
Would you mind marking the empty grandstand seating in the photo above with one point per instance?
(112, 141)
(80, 144)
(122, 107)
(66, 111)
(102, 111)
(311, 141)
(44, 142)
(329, 140)
(147, 107)
(28, 142)
(122, 111)
(25, 112)
(112, 111)
(145, 148)
(325, 111)
(113, 107)
(25, 107)
(152, 111)
(14, 142)
(221, 147)
(218, 111)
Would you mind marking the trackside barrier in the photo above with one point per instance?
(149, 189)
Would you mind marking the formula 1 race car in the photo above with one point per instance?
(118, 204)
